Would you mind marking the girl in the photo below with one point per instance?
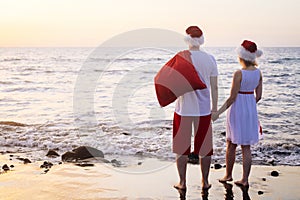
(242, 121)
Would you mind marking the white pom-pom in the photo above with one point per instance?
(194, 41)
(258, 53)
(244, 54)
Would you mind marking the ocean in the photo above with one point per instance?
(62, 98)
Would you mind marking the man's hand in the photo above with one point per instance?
(214, 116)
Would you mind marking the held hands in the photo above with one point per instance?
(214, 115)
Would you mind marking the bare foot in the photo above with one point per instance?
(225, 179)
(180, 187)
(242, 183)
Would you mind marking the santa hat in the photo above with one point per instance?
(248, 51)
(194, 36)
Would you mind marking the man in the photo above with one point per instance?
(194, 109)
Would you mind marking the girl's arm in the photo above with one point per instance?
(258, 89)
(235, 88)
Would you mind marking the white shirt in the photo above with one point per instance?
(197, 103)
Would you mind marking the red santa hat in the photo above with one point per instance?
(248, 51)
(194, 36)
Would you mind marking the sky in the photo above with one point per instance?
(39, 23)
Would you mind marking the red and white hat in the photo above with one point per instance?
(248, 51)
(194, 36)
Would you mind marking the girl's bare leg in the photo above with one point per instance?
(247, 160)
(230, 159)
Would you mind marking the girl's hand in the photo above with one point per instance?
(214, 116)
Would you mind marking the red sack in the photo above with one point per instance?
(177, 77)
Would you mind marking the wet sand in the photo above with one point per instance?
(144, 179)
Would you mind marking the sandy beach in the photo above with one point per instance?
(146, 179)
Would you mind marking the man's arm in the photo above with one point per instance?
(214, 92)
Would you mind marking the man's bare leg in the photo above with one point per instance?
(181, 162)
(205, 167)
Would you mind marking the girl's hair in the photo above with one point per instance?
(248, 63)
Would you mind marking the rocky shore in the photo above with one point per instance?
(85, 173)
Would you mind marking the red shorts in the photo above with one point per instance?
(182, 132)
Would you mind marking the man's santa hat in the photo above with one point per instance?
(194, 36)
(248, 51)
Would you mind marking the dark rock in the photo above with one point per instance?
(11, 123)
(26, 161)
(223, 133)
(5, 167)
(260, 192)
(60, 163)
(193, 158)
(52, 153)
(69, 157)
(49, 164)
(264, 179)
(46, 165)
(139, 153)
(139, 163)
(46, 170)
(116, 163)
(85, 164)
(11, 166)
(10, 159)
(224, 166)
(124, 133)
(274, 173)
(11, 155)
(217, 166)
(82, 153)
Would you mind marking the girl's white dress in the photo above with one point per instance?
(242, 121)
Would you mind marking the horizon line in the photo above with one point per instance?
(137, 46)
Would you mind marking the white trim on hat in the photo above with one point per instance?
(247, 55)
(194, 41)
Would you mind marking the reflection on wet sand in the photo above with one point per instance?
(229, 193)
(245, 190)
(205, 194)
(182, 193)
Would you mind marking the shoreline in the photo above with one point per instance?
(146, 178)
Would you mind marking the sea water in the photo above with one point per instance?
(62, 98)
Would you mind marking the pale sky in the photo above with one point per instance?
(91, 22)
